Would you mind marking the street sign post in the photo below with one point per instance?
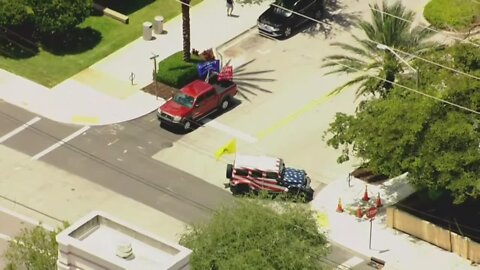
(371, 213)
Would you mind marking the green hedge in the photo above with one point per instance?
(173, 71)
(456, 14)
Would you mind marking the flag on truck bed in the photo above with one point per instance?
(226, 74)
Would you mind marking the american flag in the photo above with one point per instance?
(294, 177)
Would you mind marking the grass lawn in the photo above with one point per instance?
(50, 69)
(453, 14)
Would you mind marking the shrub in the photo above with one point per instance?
(452, 14)
(174, 72)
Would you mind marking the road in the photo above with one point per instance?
(118, 157)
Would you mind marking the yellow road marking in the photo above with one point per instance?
(79, 119)
(292, 117)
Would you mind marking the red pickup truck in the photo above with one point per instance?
(196, 100)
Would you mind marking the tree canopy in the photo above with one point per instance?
(59, 16)
(436, 143)
(34, 248)
(366, 59)
(14, 13)
(253, 235)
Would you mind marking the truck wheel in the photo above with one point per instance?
(225, 103)
(187, 125)
(229, 171)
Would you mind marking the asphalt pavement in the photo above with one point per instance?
(118, 157)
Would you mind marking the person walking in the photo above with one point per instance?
(229, 7)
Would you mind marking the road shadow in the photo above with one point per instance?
(247, 80)
(15, 46)
(75, 41)
(125, 7)
(334, 17)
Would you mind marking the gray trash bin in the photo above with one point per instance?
(147, 31)
(158, 25)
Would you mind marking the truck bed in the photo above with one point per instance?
(220, 86)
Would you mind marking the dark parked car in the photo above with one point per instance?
(280, 22)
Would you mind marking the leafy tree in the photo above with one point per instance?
(53, 17)
(14, 13)
(393, 31)
(34, 248)
(253, 235)
(186, 29)
(436, 143)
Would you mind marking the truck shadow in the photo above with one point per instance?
(178, 130)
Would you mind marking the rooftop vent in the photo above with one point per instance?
(124, 251)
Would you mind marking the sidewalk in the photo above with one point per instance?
(42, 192)
(102, 94)
(399, 250)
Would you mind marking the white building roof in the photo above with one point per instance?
(98, 236)
(263, 163)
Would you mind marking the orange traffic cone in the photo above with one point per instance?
(359, 212)
(365, 195)
(378, 202)
(339, 206)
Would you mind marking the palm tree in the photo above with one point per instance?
(186, 29)
(391, 28)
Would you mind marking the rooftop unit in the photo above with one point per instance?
(101, 242)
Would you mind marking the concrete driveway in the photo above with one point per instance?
(284, 109)
(285, 106)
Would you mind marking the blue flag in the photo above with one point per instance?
(203, 68)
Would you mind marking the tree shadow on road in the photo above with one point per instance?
(334, 17)
(247, 80)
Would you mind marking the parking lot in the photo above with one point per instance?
(285, 107)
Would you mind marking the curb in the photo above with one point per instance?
(25, 218)
(217, 48)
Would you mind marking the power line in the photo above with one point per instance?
(412, 55)
(431, 62)
(116, 168)
(403, 86)
(130, 175)
(411, 89)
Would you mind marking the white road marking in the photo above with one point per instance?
(60, 143)
(231, 131)
(352, 262)
(112, 142)
(19, 129)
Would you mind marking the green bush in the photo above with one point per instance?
(174, 72)
(452, 14)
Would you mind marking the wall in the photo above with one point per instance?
(433, 234)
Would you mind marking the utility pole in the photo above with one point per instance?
(154, 75)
